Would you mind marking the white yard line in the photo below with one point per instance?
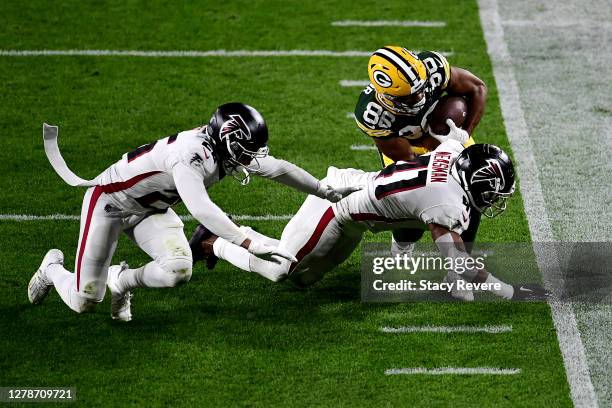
(387, 23)
(181, 54)
(448, 329)
(350, 115)
(572, 349)
(189, 53)
(348, 83)
(65, 217)
(363, 147)
(453, 370)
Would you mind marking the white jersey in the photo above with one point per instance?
(142, 180)
(406, 194)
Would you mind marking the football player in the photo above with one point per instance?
(135, 196)
(405, 88)
(436, 191)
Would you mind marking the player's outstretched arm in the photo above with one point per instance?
(451, 246)
(396, 148)
(464, 83)
(190, 186)
(294, 176)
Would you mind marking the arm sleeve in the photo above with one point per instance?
(190, 186)
(289, 174)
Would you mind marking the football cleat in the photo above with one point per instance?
(200, 235)
(465, 295)
(39, 285)
(530, 292)
(121, 303)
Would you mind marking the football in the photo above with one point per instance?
(449, 107)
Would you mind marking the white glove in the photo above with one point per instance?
(455, 133)
(335, 195)
(264, 251)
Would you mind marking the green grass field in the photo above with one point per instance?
(231, 338)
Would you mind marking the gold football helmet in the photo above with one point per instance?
(399, 77)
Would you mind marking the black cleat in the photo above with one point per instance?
(201, 234)
(530, 291)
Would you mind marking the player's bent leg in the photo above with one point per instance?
(322, 242)
(161, 237)
(99, 232)
(305, 224)
(336, 246)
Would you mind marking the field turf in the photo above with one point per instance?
(230, 338)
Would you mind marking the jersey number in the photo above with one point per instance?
(417, 169)
(376, 115)
(432, 66)
(171, 197)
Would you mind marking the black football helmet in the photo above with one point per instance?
(486, 174)
(241, 137)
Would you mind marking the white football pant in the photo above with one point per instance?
(160, 235)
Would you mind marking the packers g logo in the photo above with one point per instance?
(382, 79)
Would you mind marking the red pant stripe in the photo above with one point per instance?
(97, 192)
(315, 237)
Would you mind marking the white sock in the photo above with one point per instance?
(506, 290)
(256, 236)
(234, 254)
(149, 276)
(65, 285)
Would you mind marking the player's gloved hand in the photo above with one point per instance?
(335, 195)
(269, 252)
(456, 133)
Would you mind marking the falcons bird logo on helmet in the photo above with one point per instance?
(490, 173)
(237, 127)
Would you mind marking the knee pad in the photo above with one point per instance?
(178, 267)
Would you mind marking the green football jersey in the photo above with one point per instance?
(376, 119)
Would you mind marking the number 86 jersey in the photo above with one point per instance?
(407, 194)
